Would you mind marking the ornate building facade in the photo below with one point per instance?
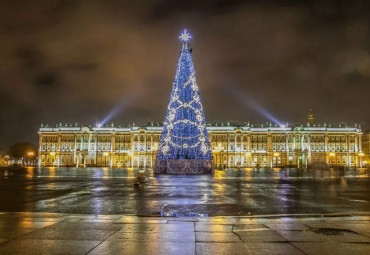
(366, 148)
(232, 145)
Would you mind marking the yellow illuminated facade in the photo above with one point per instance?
(233, 145)
(366, 149)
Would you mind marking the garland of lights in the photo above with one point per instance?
(184, 133)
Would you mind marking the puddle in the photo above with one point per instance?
(178, 215)
(333, 231)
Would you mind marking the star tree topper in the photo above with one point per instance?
(185, 36)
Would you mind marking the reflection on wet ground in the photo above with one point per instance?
(106, 172)
(228, 192)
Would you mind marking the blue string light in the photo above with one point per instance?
(184, 134)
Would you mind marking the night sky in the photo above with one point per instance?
(78, 61)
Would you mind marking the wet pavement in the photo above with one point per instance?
(229, 192)
(51, 233)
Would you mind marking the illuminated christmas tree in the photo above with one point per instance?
(184, 146)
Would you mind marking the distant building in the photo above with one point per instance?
(233, 145)
(4, 160)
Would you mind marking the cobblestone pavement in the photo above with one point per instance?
(52, 233)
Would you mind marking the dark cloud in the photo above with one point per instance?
(83, 67)
(46, 81)
(77, 61)
(29, 58)
(167, 9)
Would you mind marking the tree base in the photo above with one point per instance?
(183, 166)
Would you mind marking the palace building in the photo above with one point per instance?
(366, 148)
(232, 145)
(188, 141)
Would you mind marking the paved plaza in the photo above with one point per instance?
(52, 233)
(103, 211)
(231, 192)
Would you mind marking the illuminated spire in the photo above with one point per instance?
(311, 118)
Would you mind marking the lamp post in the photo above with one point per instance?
(52, 155)
(131, 154)
(240, 156)
(216, 156)
(331, 155)
(361, 155)
(154, 149)
(218, 150)
(247, 157)
(30, 155)
(7, 159)
(276, 155)
(105, 154)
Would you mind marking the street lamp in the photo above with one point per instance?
(7, 159)
(30, 154)
(219, 149)
(217, 157)
(131, 154)
(52, 154)
(247, 155)
(154, 149)
(276, 155)
(105, 154)
(361, 154)
(331, 155)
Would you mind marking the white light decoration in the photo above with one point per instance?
(184, 134)
(185, 36)
(171, 117)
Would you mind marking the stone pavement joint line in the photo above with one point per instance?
(232, 230)
(53, 233)
(103, 241)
